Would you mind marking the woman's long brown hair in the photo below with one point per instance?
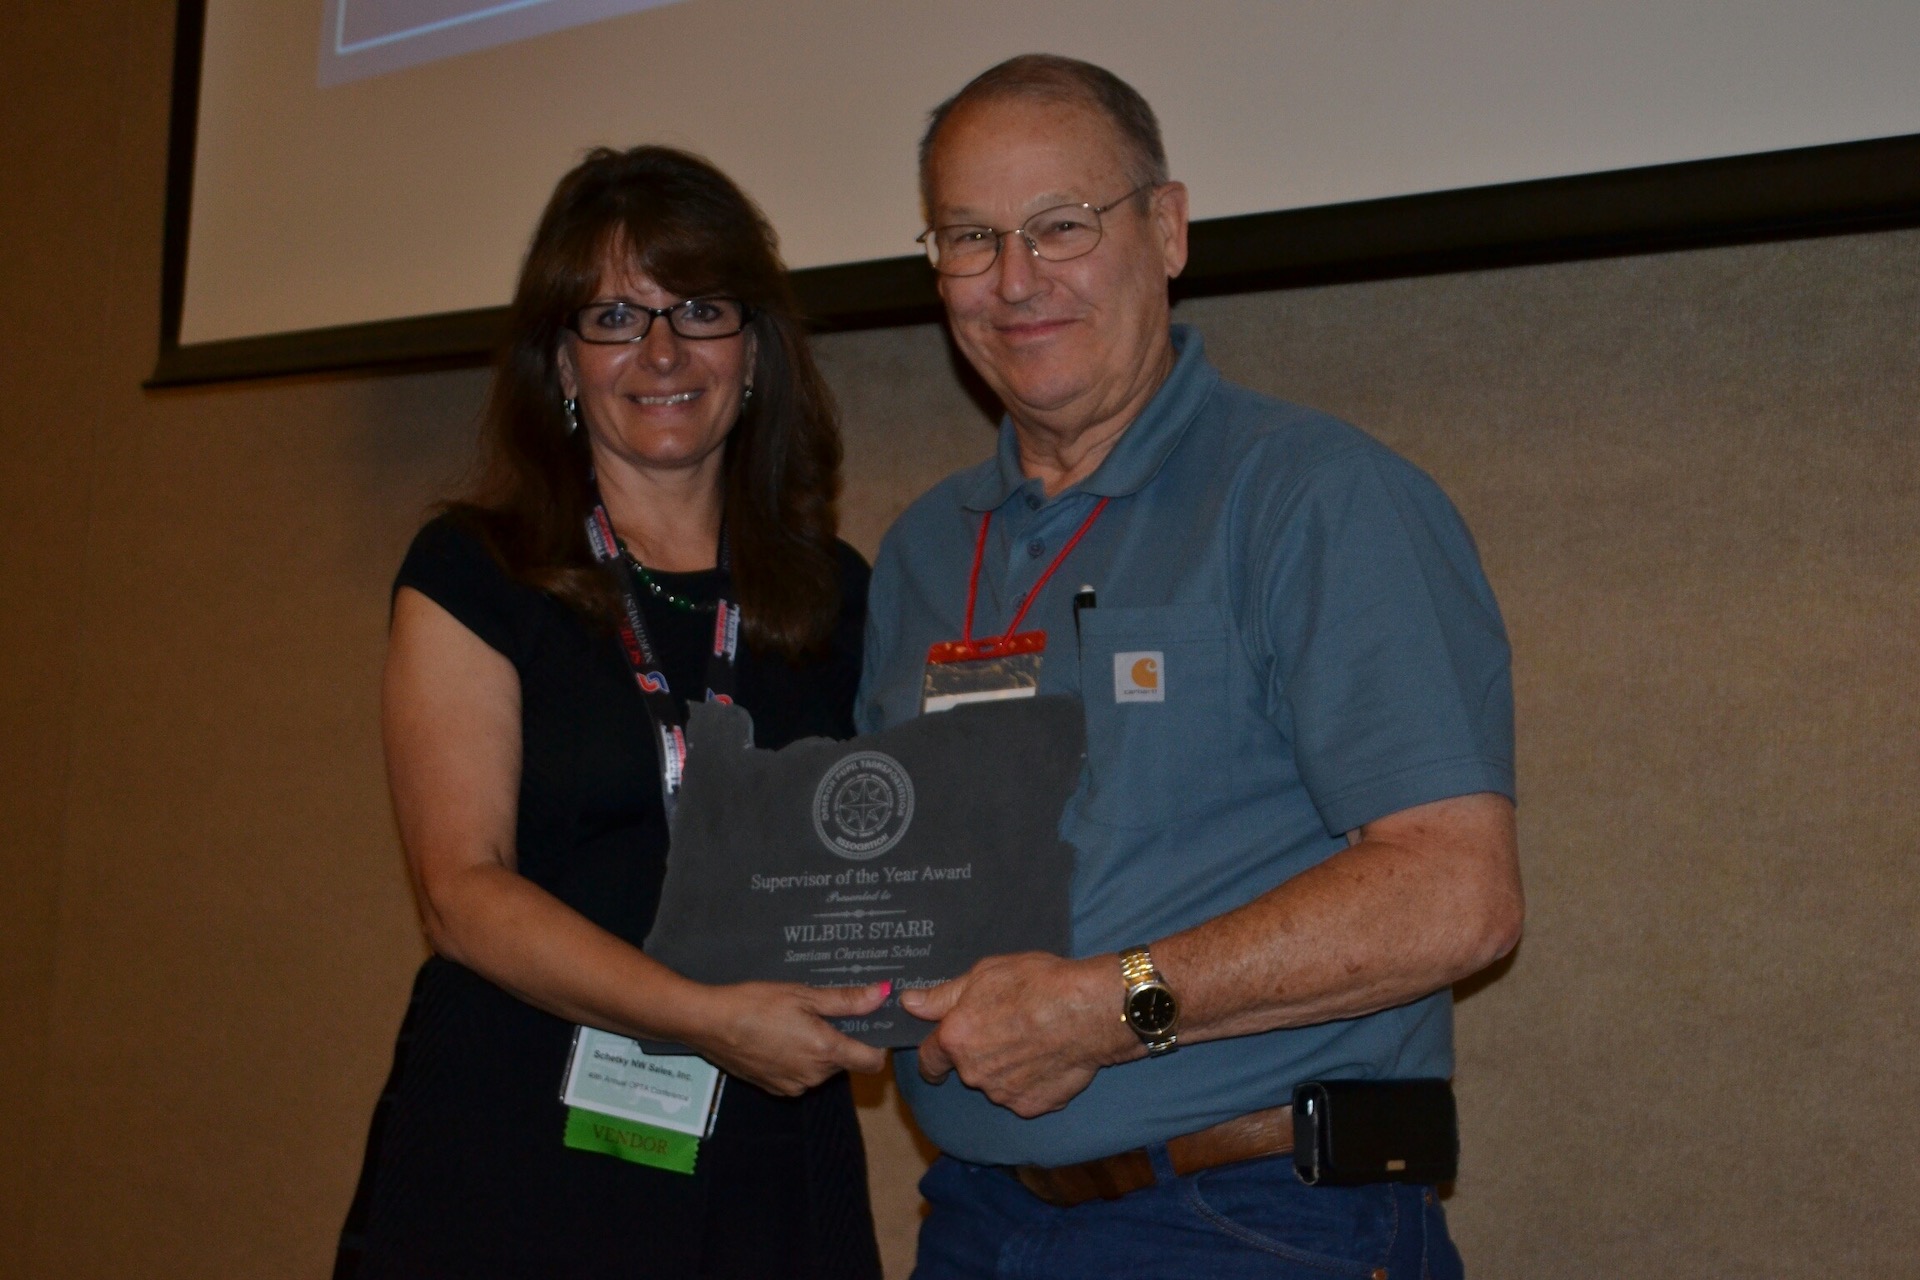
(688, 227)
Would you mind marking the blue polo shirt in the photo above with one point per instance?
(1293, 637)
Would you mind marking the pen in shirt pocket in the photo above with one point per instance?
(1082, 599)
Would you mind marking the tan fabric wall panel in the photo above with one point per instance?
(56, 173)
(1693, 478)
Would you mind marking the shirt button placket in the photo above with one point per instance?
(1026, 543)
(1030, 540)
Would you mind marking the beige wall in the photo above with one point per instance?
(1694, 479)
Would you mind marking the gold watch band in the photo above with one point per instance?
(1136, 966)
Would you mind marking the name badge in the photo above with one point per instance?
(647, 1108)
(987, 670)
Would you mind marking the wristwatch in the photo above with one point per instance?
(1150, 1009)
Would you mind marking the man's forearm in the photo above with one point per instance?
(1424, 898)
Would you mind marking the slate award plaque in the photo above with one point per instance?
(907, 854)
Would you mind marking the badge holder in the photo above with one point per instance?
(645, 1108)
(987, 670)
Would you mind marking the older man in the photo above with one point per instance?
(1294, 831)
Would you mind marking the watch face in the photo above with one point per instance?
(1150, 1010)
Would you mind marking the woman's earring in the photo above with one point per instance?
(572, 406)
(746, 392)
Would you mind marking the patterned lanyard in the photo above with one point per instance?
(668, 717)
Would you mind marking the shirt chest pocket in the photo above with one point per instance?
(1154, 682)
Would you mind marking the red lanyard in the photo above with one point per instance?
(1033, 592)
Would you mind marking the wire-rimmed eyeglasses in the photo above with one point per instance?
(615, 320)
(1064, 232)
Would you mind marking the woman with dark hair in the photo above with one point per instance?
(661, 463)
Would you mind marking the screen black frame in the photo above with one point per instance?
(1777, 195)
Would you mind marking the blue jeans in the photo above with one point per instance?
(1249, 1221)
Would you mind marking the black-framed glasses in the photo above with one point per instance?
(614, 321)
(1059, 234)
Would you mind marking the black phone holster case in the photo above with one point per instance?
(1351, 1132)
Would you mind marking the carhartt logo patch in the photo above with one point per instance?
(1140, 676)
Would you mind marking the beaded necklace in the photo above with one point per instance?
(661, 593)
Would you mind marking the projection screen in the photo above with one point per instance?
(354, 181)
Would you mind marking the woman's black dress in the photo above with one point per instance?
(465, 1171)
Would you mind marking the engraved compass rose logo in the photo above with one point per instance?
(863, 805)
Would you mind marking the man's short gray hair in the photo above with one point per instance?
(1048, 77)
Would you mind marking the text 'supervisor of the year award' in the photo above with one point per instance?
(904, 855)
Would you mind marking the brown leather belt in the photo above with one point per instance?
(1248, 1137)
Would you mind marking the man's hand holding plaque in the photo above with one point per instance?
(903, 856)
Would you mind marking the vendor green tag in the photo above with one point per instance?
(629, 1140)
